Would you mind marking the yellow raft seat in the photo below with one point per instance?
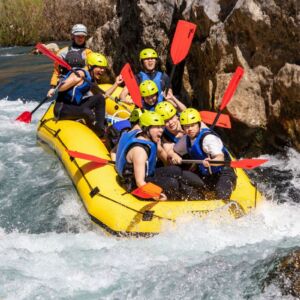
(108, 204)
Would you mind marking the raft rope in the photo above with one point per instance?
(94, 191)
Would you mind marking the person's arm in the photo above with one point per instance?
(138, 156)
(162, 153)
(173, 100)
(55, 75)
(175, 154)
(212, 145)
(124, 96)
(71, 81)
(119, 80)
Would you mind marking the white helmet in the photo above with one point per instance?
(79, 29)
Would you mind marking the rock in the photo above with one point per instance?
(261, 36)
(286, 274)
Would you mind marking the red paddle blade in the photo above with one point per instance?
(147, 191)
(247, 163)
(208, 117)
(234, 82)
(85, 156)
(182, 40)
(24, 117)
(52, 56)
(132, 85)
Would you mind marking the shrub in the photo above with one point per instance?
(21, 22)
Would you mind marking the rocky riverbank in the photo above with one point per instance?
(261, 36)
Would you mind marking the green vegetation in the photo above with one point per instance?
(25, 22)
(21, 22)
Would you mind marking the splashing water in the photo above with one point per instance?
(49, 249)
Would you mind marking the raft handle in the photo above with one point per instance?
(148, 215)
(94, 192)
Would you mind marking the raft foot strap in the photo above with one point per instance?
(148, 215)
(94, 192)
(57, 132)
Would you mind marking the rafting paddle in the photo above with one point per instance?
(247, 163)
(149, 190)
(26, 116)
(208, 117)
(132, 85)
(181, 44)
(233, 84)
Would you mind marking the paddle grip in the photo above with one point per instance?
(199, 161)
(45, 99)
(170, 80)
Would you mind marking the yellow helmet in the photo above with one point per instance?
(135, 115)
(190, 116)
(148, 88)
(97, 59)
(166, 110)
(151, 118)
(148, 53)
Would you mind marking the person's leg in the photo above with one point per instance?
(226, 183)
(170, 186)
(64, 111)
(96, 104)
(178, 184)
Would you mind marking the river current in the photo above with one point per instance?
(49, 248)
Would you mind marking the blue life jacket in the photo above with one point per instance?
(170, 136)
(158, 81)
(127, 140)
(196, 152)
(75, 94)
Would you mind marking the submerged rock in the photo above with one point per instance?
(286, 275)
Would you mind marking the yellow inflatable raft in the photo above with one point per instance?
(113, 108)
(108, 204)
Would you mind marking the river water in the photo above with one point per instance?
(50, 250)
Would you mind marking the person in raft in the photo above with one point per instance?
(199, 142)
(150, 96)
(149, 63)
(173, 130)
(97, 66)
(136, 162)
(79, 99)
(75, 55)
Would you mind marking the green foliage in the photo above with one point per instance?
(21, 22)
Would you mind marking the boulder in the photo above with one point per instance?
(261, 36)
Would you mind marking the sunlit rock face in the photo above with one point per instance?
(261, 36)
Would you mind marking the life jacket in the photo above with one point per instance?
(196, 152)
(126, 142)
(75, 57)
(76, 94)
(170, 136)
(158, 79)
